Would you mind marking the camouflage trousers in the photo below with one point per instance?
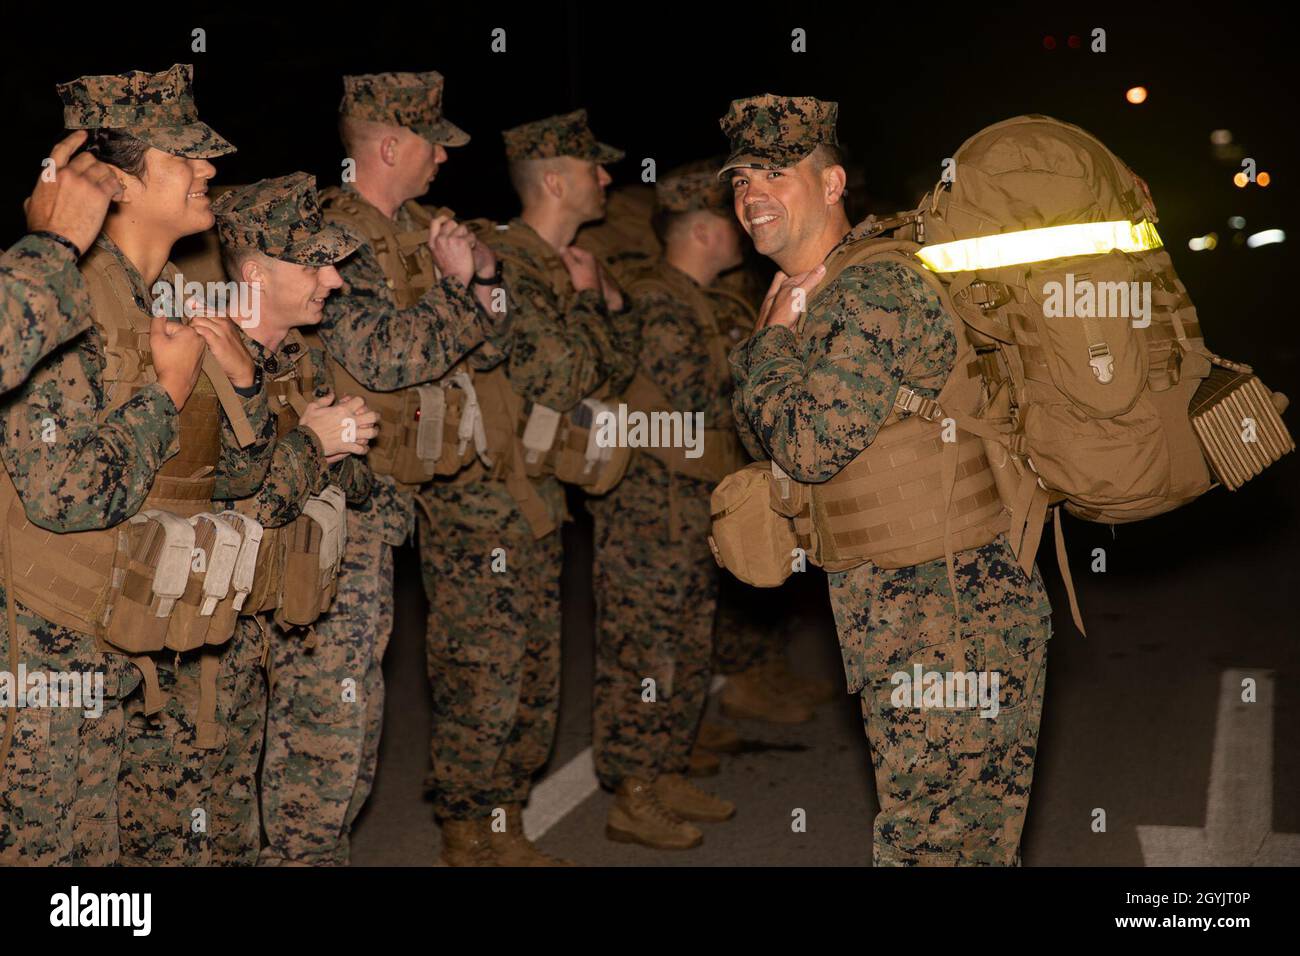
(748, 630)
(184, 805)
(327, 709)
(493, 647)
(656, 587)
(953, 773)
(58, 784)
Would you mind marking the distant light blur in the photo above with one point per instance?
(1267, 237)
(1221, 137)
(1237, 222)
(1137, 94)
(1241, 180)
(1203, 243)
(1263, 179)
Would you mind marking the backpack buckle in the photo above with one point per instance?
(987, 295)
(1102, 362)
(909, 401)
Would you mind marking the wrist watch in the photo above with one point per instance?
(493, 279)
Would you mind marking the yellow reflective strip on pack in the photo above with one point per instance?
(1038, 245)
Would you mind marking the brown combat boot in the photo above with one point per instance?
(720, 738)
(638, 816)
(514, 849)
(690, 802)
(468, 843)
(704, 763)
(751, 695)
(807, 690)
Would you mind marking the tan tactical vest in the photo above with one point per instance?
(298, 564)
(907, 492)
(908, 498)
(166, 578)
(551, 442)
(722, 453)
(426, 430)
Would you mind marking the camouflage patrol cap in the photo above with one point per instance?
(773, 132)
(564, 135)
(693, 186)
(282, 218)
(413, 100)
(156, 108)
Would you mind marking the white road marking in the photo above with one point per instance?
(1239, 803)
(558, 794)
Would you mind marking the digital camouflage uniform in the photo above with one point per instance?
(74, 787)
(655, 578)
(953, 786)
(43, 303)
(386, 348)
(313, 732)
(749, 630)
(494, 637)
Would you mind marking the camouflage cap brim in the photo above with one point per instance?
(773, 157)
(607, 154)
(332, 244)
(442, 133)
(192, 140)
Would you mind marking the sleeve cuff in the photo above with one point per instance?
(773, 342)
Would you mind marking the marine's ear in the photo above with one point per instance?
(834, 179)
(388, 146)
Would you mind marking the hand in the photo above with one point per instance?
(343, 429)
(452, 246)
(610, 290)
(227, 347)
(177, 351)
(485, 260)
(75, 203)
(583, 270)
(787, 297)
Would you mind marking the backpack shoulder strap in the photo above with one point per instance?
(528, 252)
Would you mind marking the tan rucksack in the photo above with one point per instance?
(1114, 417)
(1042, 236)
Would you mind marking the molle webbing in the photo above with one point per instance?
(289, 392)
(888, 504)
(129, 365)
(403, 254)
(502, 407)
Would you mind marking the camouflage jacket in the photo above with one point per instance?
(813, 400)
(298, 469)
(677, 343)
(564, 344)
(43, 303)
(77, 468)
(386, 348)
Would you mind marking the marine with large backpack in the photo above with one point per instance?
(1115, 418)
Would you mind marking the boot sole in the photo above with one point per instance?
(697, 818)
(727, 748)
(730, 710)
(624, 836)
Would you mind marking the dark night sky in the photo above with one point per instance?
(912, 84)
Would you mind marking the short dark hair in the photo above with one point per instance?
(662, 222)
(118, 149)
(827, 154)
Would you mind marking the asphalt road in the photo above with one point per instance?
(1129, 726)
